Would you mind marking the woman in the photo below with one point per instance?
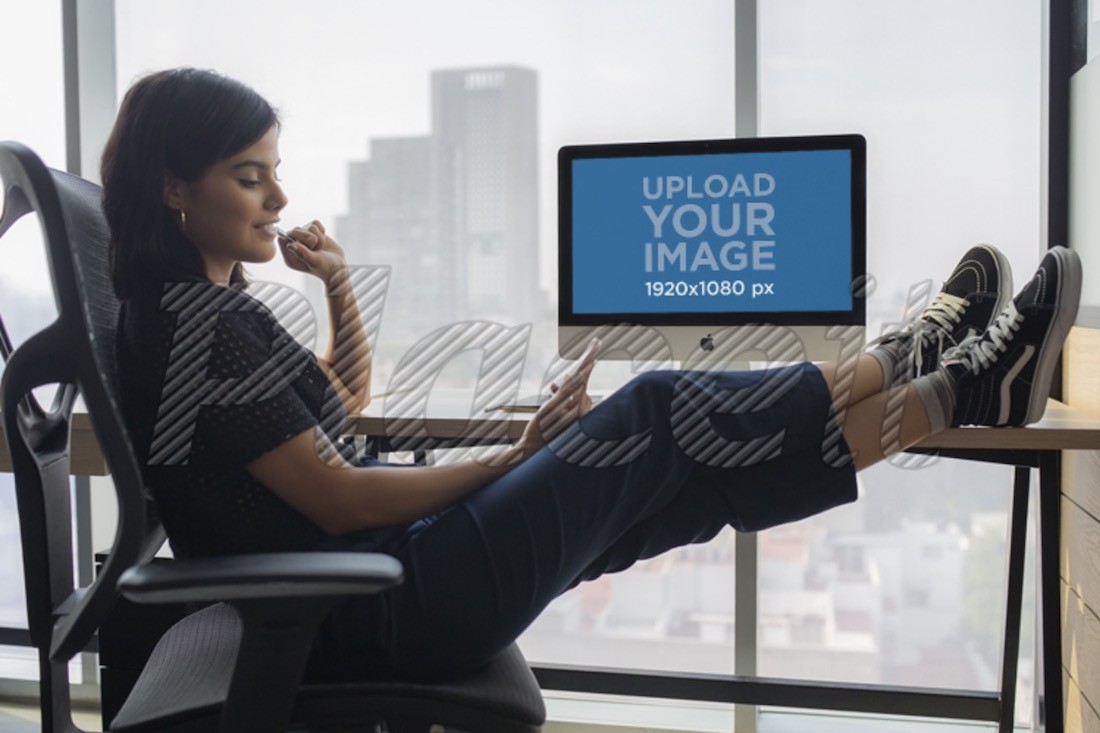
(236, 425)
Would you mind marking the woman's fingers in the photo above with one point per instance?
(585, 365)
(306, 237)
(313, 251)
(568, 401)
(312, 235)
(295, 252)
(588, 358)
(573, 390)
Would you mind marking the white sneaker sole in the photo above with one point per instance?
(1004, 283)
(1069, 297)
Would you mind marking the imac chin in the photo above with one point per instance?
(714, 347)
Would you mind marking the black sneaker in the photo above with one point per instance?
(1003, 376)
(976, 291)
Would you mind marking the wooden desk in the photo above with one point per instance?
(87, 459)
(1062, 427)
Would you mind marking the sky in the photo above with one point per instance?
(32, 112)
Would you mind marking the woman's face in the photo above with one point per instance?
(231, 211)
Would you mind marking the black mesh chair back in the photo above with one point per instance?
(75, 352)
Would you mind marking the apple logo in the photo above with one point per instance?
(707, 343)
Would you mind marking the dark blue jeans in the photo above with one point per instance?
(669, 459)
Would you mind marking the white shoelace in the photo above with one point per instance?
(980, 351)
(945, 310)
(936, 323)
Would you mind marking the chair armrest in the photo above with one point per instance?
(275, 575)
(275, 637)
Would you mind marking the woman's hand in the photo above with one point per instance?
(567, 404)
(314, 252)
(347, 360)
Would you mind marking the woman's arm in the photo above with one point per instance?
(343, 498)
(347, 360)
(340, 498)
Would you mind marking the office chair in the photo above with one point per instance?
(235, 665)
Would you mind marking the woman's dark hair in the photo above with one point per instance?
(178, 121)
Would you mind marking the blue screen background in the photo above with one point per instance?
(812, 226)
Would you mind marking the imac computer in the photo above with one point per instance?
(713, 253)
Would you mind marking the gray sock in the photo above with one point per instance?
(937, 392)
(893, 356)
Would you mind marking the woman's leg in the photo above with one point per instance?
(895, 416)
(885, 423)
(669, 460)
(876, 422)
(999, 375)
(645, 458)
(852, 380)
(875, 419)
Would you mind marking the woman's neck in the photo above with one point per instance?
(220, 274)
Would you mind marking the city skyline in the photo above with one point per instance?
(455, 212)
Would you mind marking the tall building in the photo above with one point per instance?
(454, 213)
(485, 133)
(392, 221)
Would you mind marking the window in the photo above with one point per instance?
(31, 112)
(951, 112)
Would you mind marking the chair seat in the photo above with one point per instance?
(186, 680)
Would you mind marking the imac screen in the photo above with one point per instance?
(764, 230)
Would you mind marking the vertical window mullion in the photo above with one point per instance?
(89, 47)
(746, 98)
